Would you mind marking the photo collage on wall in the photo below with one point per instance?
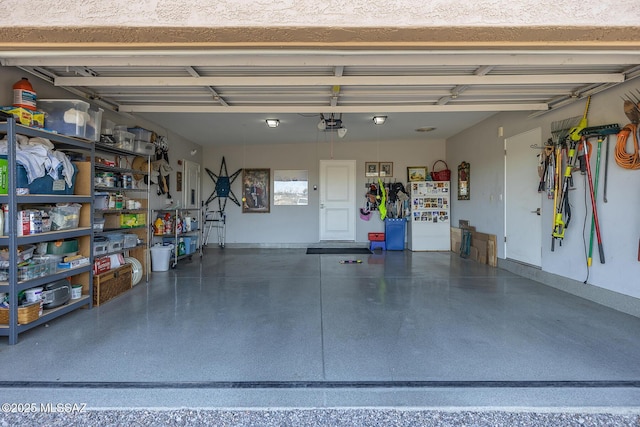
(432, 202)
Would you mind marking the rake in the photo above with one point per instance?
(560, 129)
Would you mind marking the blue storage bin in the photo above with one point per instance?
(394, 229)
(45, 184)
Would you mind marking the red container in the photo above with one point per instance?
(376, 237)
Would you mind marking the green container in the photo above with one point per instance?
(4, 176)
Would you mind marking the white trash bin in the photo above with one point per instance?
(161, 257)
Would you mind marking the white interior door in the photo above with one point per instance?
(523, 222)
(338, 200)
(190, 185)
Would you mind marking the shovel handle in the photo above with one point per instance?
(601, 250)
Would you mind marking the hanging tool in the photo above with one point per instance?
(559, 132)
(606, 170)
(574, 132)
(544, 168)
(602, 131)
(593, 205)
(563, 208)
(595, 196)
(556, 190)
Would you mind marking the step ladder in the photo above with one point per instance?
(215, 220)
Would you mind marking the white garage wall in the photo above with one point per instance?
(299, 225)
(179, 148)
(619, 219)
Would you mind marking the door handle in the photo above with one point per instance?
(537, 212)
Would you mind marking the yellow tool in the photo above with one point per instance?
(574, 133)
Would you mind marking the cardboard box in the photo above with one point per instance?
(26, 117)
(132, 220)
(101, 265)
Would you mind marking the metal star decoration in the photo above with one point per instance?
(222, 186)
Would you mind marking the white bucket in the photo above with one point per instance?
(33, 294)
(76, 292)
(160, 257)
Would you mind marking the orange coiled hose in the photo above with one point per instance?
(625, 159)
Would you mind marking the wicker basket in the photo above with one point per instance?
(112, 283)
(26, 314)
(443, 175)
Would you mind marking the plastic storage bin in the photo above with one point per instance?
(140, 134)
(124, 139)
(100, 245)
(161, 257)
(65, 116)
(98, 224)
(130, 240)
(142, 147)
(394, 233)
(92, 131)
(116, 242)
(42, 185)
(64, 216)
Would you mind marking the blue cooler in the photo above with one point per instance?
(394, 233)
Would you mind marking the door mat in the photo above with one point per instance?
(337, 251)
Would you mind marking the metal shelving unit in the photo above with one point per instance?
(140, 251)
(13, 241)
(176, 236)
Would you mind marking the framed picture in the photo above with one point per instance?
(386, 169)
(371, 169)
(416, 173)
(256, 197)
(464, 181)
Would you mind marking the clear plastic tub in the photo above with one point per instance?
(24, 253)
(124, 140)
(140, 134)
(146, 148)
(65, 116)
(64, 216)
(92, 131)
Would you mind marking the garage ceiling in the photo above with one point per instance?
(214, 97)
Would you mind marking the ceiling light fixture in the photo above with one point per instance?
(425, 129)
(379, 120)
(273, 123)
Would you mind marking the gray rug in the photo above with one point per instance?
(338, 251)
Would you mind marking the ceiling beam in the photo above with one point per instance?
(216, 96)
(327, 109)
(312, 58)
(152, 81)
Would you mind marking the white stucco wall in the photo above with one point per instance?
(353, 13)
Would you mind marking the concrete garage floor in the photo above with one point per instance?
(279, 330)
